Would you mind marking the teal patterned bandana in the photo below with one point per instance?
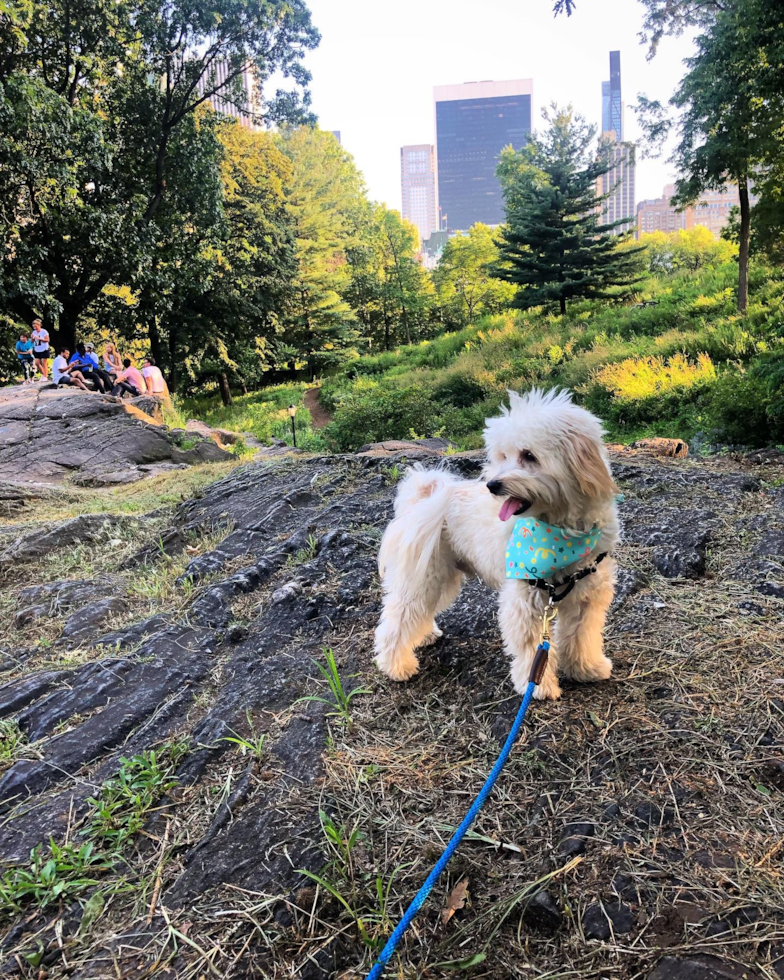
(540, 550)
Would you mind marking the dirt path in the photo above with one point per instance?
(319, 416)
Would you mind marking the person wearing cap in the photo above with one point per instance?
(81, 360)
(98, 371)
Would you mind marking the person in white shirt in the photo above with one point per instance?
(156, 384)
(64, 373)
(40, 339)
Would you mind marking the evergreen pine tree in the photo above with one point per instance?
(555, 246)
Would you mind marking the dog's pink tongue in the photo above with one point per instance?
(508, 507)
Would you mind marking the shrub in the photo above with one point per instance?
(373, 414)
(638, 378)
(748, 406)
(459, 390)
(651, 389)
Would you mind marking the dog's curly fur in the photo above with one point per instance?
(545, 458)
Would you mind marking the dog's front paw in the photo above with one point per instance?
(398, 668)
(432, 637)
(596, 670)
(547, 689)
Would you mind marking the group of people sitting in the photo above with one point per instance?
(83, 369)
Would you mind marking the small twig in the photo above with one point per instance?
(774, 850)
(159, 875)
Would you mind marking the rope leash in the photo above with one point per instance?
(537, 671)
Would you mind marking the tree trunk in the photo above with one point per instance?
(156, 348)
(743, 250)
(562, 301)
(225, 388)
(174, 373)
(65, 335)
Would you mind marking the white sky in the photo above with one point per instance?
(374, 71)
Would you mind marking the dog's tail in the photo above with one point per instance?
(413, 539)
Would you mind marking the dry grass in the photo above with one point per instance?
(686, 741)
(166, 490)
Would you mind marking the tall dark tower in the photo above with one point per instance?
(612, 104)
(617, 186)
(616, 106)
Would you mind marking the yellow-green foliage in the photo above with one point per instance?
(637, 378)
(644, 369)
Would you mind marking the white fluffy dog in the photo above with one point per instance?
(545, 460)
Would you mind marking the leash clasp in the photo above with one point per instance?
(539, 663)
(549, 614)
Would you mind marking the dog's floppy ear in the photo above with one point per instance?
(590, 468)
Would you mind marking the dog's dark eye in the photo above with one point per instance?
(526, 456)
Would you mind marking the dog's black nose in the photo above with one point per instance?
(496, 487)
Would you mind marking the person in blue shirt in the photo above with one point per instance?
(24, 352)
(90, 369)
(105, 376)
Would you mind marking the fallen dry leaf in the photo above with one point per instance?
(456, 900)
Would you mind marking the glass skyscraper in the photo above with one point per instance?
(617, 186)
(474, 122)
(612, 104)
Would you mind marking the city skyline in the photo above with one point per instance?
(360, 87)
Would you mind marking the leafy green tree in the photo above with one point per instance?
(554, 246)
(464, 280)
(729, 110)
(118, 86)
(210, 302)
(690, 248)
(389, 291)
(406, 288)
(325, 196)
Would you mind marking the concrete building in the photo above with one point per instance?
(712, 210)
(336, 134)
(657, 214)
(418, 187)
(474, 122)
(225, 103)
(618, 184)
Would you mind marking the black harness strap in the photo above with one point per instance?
(569, 583)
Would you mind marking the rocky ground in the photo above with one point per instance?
(281, 826)
(50, 435)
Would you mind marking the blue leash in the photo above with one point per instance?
(537, 670)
